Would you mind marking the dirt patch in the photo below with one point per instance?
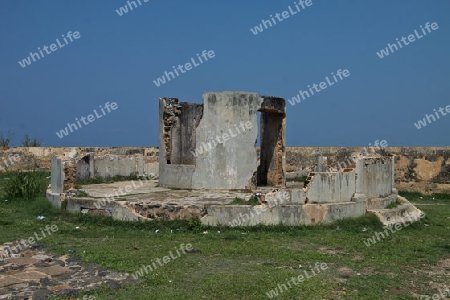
(332, 251)
(345, 271)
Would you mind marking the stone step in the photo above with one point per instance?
(405, 213)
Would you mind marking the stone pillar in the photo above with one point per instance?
(320, 163)
(91, 165)
(57, 175)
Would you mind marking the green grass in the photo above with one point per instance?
(23, 185)
(394, 204)
(239, 201)
(82, 193)
(247, 262)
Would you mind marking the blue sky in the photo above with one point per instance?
(117, 58)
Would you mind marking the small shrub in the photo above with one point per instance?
(239, 201)
(116, 178)
(89, 180)
(195, 225)
(28, 142)
(298, 179)
(5, 141)
(82, 193)
(25, 185)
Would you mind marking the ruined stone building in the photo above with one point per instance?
(208, 157)
(213, 145)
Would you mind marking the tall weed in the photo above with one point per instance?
(24, 185)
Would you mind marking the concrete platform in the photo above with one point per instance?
(143, 200)
(146, 201)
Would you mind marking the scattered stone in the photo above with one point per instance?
(60, 263)
(43, 258)
(113, 284)
(54, 270)
(193, 251)
(41, 294)
(37, 275)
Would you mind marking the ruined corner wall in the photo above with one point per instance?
(212, 145)
(177, 126)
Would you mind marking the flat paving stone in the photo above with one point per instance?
(30, 275)
(42, 257)
(9, 280)
(13, 272)
(60, 287)
(22, 260)
(54, 270)
(41, 294)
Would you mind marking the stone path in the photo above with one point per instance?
(31, 273)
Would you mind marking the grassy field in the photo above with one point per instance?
(247, 263)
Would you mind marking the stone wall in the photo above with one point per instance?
(26, 158)
(422, 169)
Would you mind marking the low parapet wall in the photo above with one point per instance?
(67, 171)
(421, 169)
(417, 169)
(27, 158)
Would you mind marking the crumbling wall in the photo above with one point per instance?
(178, 122)
(272, 168)
(70, 171)
(167, 211)
(331, 187)
(227, 163)
(63, 174)
(84, 170)
(171, 129)
(180, 119)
